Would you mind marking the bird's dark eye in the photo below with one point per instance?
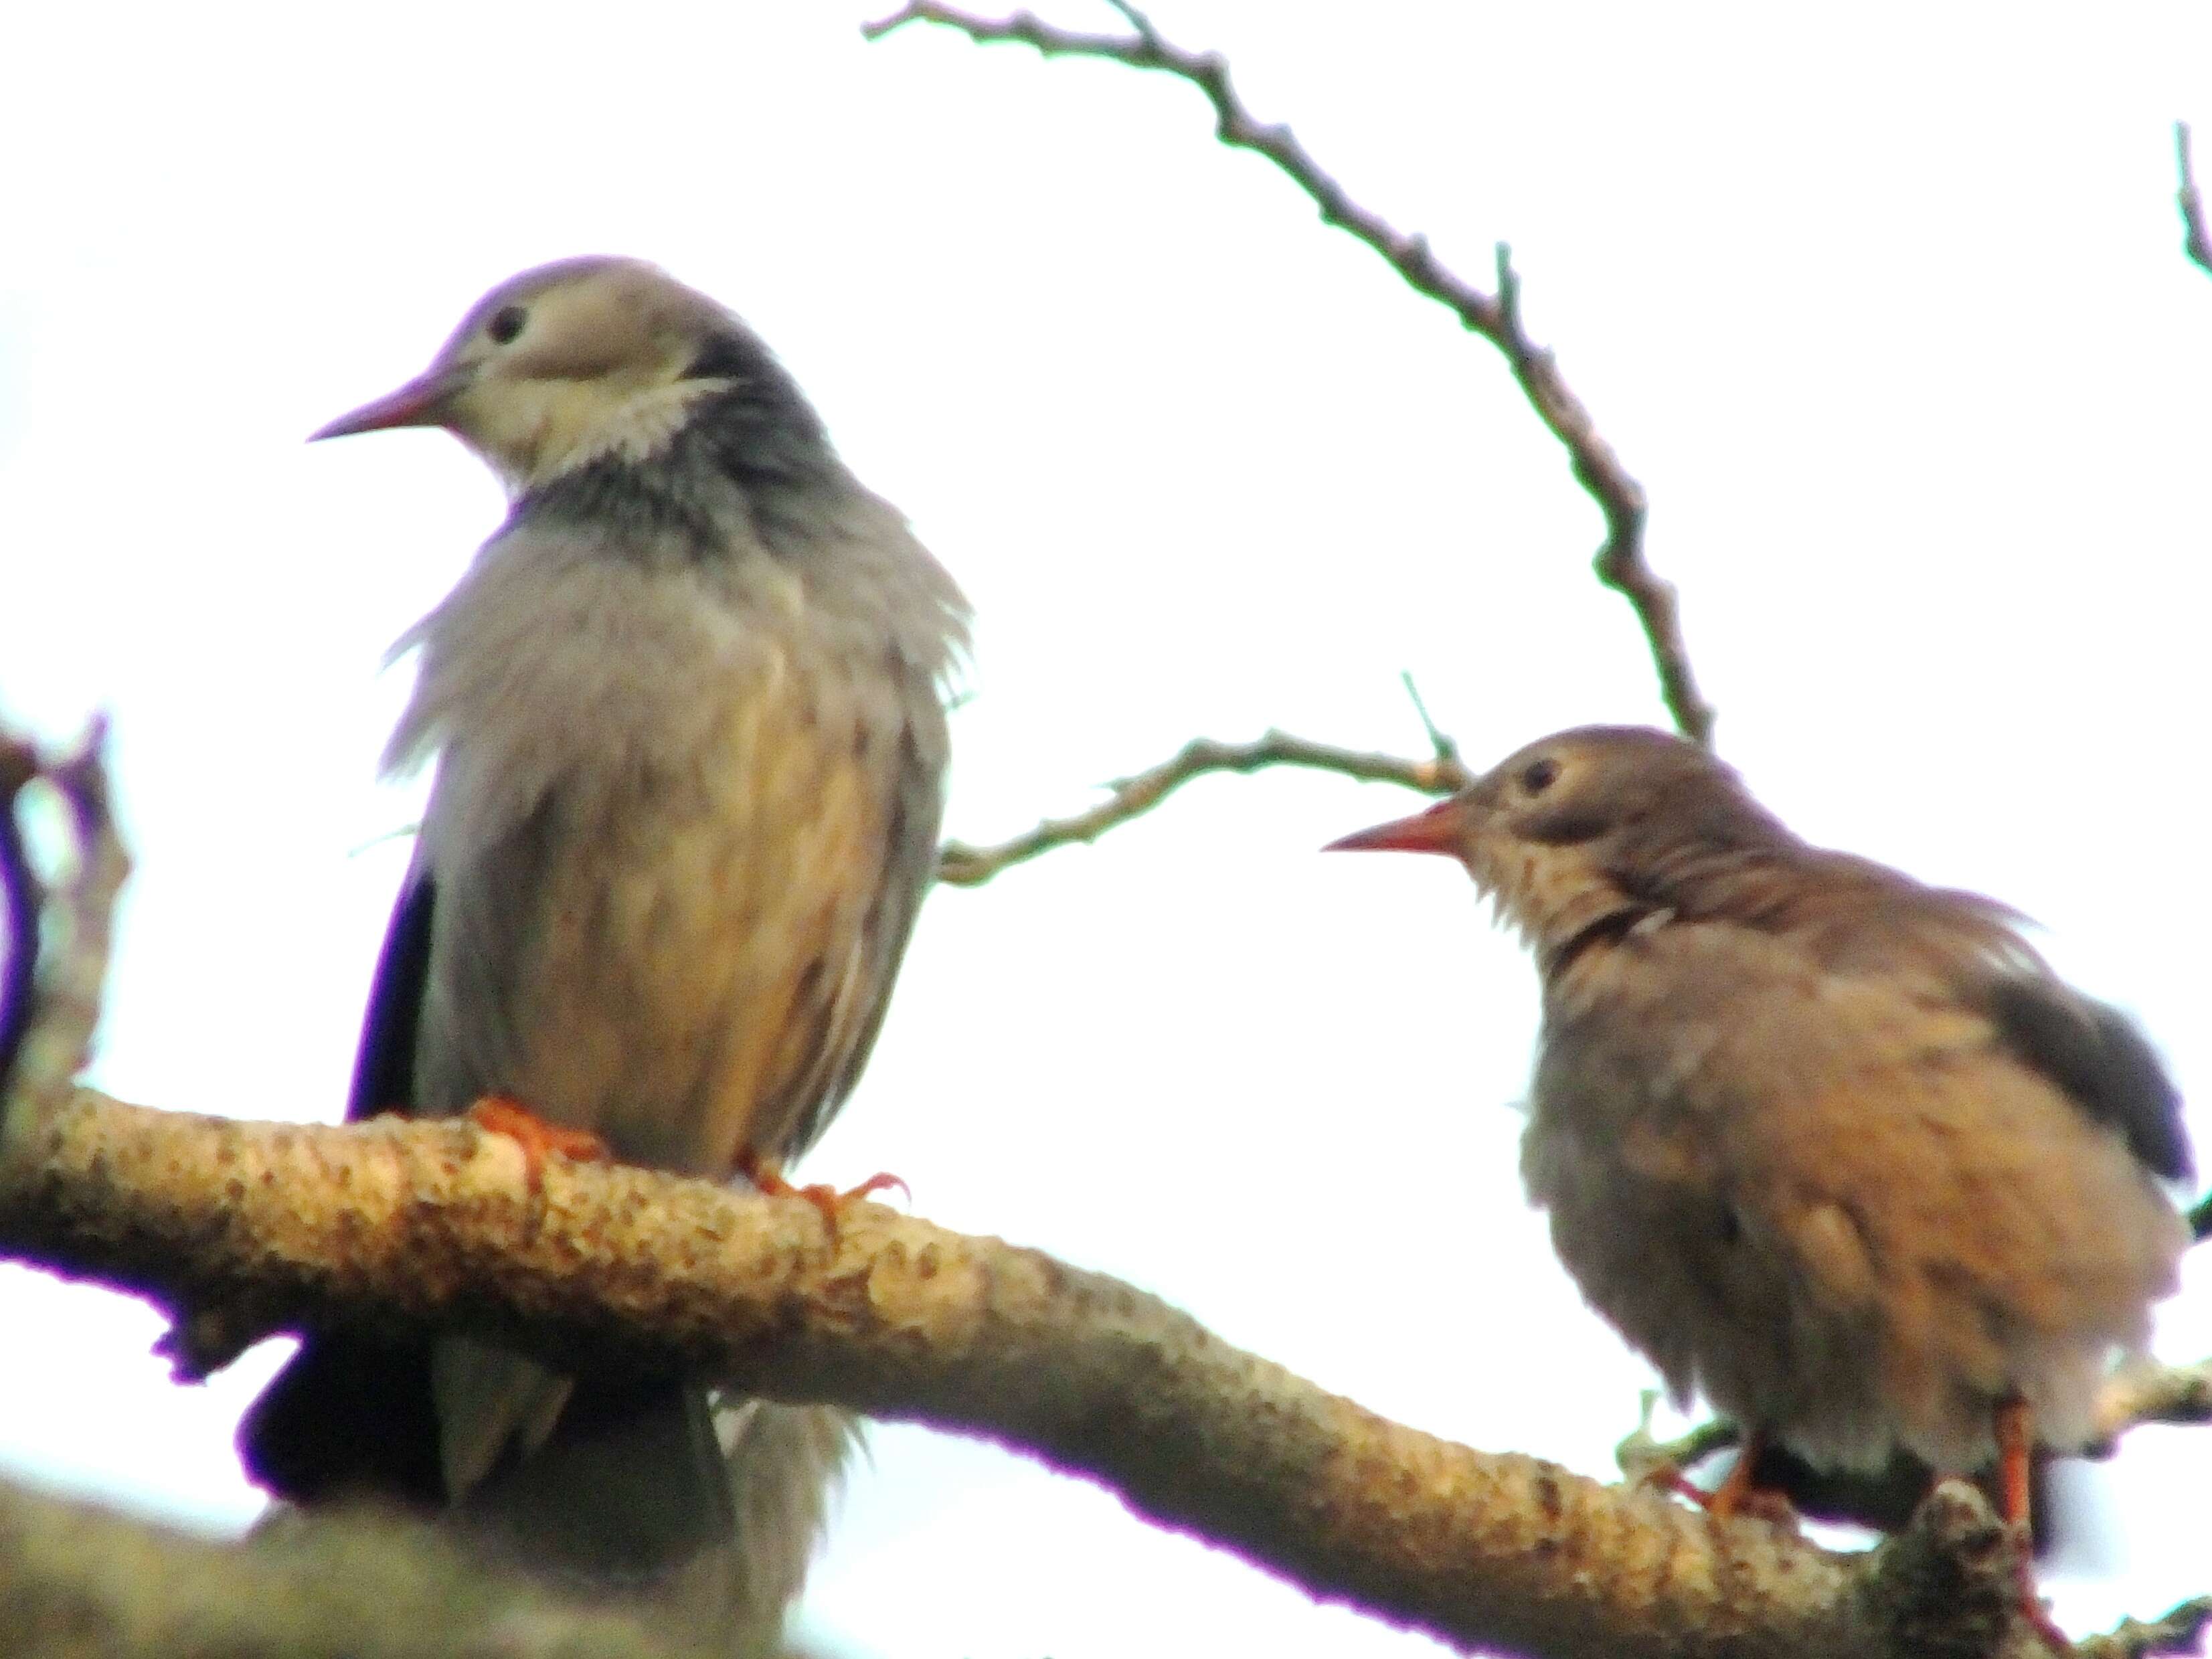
(1537, 775)
(506, 323)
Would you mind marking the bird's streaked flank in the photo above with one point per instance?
(686, 708)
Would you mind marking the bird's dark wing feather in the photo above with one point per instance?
(348, 1416)
(351, 1414)
(383, 1069)
(2095, 1054)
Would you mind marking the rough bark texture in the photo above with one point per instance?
(79, 1583)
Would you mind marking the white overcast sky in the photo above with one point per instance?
(1883, 304)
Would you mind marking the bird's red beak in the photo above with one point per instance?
(1436, 830)
(423, 401)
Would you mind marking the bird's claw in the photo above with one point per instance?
(503, 1115)
(767, 1177)
(1667, 1477)
(1737, 1495)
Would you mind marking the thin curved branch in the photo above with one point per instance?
(1621, 562)
(960, 865)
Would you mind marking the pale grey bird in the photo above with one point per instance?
(1835, 1148)
(687, 709)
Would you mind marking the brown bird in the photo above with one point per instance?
(1831, 1147)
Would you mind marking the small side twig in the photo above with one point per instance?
(2134, 1398)
(1885, 1498)
(50, 999)
(2150, 1394)
(960, 865)
(1641, 1454)
(2194, 241)
(1442, 744)
(2178, 1631)
(1620, 562)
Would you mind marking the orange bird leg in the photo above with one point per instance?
(1669, 1478)
(767, 1175)
(503, 1114)
(1737, 1493)
(2015, 1442)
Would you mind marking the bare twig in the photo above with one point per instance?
(2180, 1632)
(2133, 1398)
(52, 990)
(1885, 1498)
(1621, 562)
(1442, 744)
(963, 865)
(2148, 1394)
(1641, 1455)
(2194, 240)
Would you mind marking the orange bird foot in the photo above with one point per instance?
(2016, 1449)
(767, 1176)
(1669, 1478)
(2038, 1614)
(503, 1115)
(1735, 1495)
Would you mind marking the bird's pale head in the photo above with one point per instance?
(1575, 826)
(567, 362)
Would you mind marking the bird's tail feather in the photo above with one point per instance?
(349, 1417)
(784, 1466)
(494, 1407)
(711, 1506)
(626, 1489)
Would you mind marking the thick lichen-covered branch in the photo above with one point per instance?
(1621, 562)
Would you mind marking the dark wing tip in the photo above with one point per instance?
(2094, 1052)
(349, 1415)
(383, 1069)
